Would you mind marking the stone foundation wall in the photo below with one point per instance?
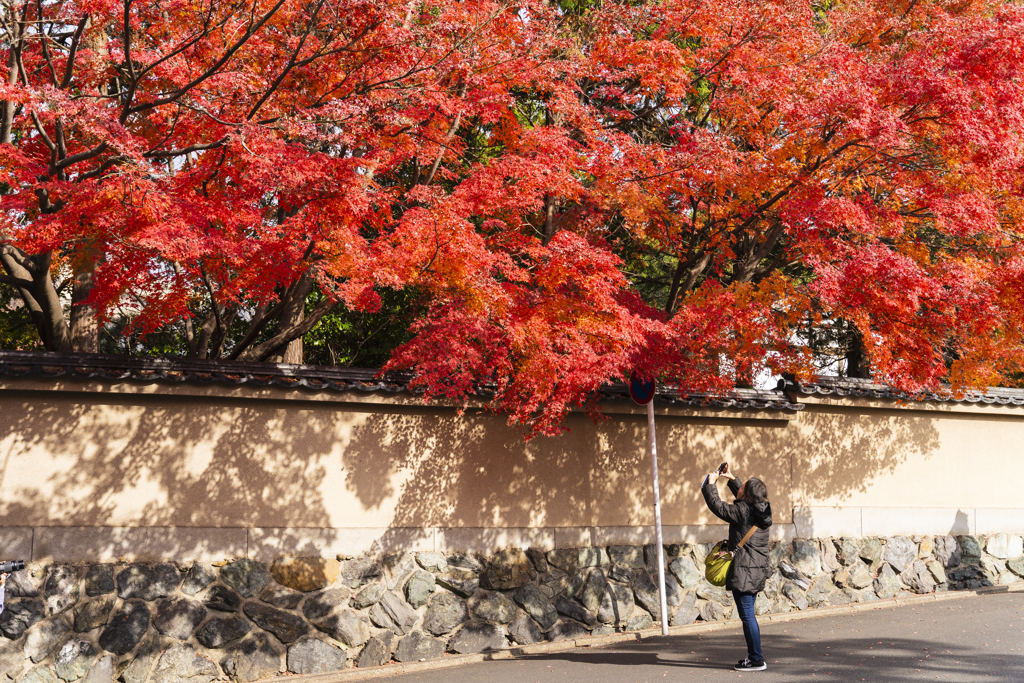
(156, 623)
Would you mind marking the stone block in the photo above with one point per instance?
(305, 574)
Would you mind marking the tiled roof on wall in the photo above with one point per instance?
(865, 388)
(117, 369)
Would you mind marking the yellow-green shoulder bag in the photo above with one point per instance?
(716, 564)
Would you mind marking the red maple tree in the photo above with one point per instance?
(699, 190)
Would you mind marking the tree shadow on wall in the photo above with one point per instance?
(133, 461)
(435, 468)
(849, 449)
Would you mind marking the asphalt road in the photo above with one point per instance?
(974, 639)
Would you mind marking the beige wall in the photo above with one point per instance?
(88, 469)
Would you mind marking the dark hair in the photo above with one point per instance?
(755, 491)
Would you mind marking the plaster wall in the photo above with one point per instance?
(92, 470)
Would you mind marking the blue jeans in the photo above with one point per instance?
(751, 631)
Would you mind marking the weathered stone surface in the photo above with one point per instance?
(593, 589)
(461, 581)
(178, 617)
(1014, 546)
(777, 553)
(397, 568)
(616, 605)
(246, 577)
(829, 557)
(102, 671)
(432, 562)
(12, 660)
(495, 607)
(837, 598)
(575, 584)
(254, 658)
(99, 580)
(918, 578)
(998, 546)
(509, 569)
(574, 610)
(937, 572)
(376, 653)
(74, 659)
(684, 569)
(280, 596)
(620, 574)
(592, 557)
(887, 585)
(125, 627)
(181, 664)
(60, 590)
(420, 587)
(859, 576)
(199, 577)
(647, 595)
(478, 637)
(806, 557)
(219, 631)
(368, 596)
(925, 547)
(346, 627)
(305, 574)
(44, 637)
(93, 613)
(320, 605)
(222, 599)
(712, 611)
(992, 567)
(762, 605)
(964, 573)
(466, 561)
(40, 674)
(418, 645)
(540, 561)
(143, 661)
(684, 616)
(537, 605)
(286, 626)
(359, 572)
(21, 615)
(900, 551)
(794, 575)
(146, 582)
(314, 656)
(714, 593)
(640, 621)
(795, 594)
(970, 550)
(1016, 565)
(819, 590)
(392, 612)
(871, 551)
(947, 551)
(847, 551)
(566, 630)
(566, 559)
(524, 631)
(673, 592)
(444, 613)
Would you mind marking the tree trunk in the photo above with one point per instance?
(85, 327)
(293, 312)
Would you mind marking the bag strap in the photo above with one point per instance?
(746, 537)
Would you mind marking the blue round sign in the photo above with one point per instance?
(641, 389)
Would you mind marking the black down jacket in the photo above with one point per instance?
(750, 567)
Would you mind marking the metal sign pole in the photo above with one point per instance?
(653, 446)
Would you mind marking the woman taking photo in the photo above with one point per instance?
(750, 568)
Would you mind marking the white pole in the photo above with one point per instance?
(653, 444)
